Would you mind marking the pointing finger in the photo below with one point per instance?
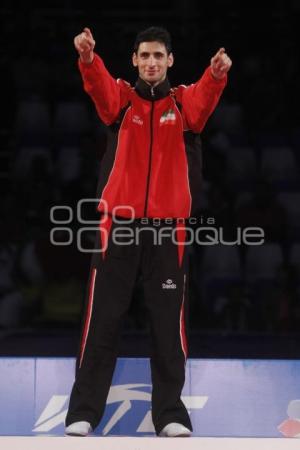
(218, 56)
(88, 32)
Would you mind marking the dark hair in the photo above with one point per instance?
(151, 34)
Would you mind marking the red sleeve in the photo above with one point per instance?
(108, 94)
(199, 100)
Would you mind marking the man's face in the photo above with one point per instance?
(152, 61)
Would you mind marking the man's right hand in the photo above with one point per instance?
(84, 44)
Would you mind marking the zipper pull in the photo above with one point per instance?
(152, 91)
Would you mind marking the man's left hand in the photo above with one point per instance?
(220, 63)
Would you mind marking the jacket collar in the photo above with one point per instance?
(148, 92)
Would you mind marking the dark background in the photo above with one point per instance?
(244, 300)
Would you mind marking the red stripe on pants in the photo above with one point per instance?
(89, 314)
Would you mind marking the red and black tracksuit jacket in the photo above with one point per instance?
(150, 165)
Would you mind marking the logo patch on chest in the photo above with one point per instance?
(137, 119)
(168, 117)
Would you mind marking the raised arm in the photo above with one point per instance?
(108, 94)
(200, 99)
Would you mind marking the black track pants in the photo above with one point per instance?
(111, 283)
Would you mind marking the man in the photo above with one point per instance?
(146, 173)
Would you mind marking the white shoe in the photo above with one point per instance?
(175, 429)
(78, 429)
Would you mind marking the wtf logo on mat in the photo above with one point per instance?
(125, 395)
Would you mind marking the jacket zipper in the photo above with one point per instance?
(150, 155)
